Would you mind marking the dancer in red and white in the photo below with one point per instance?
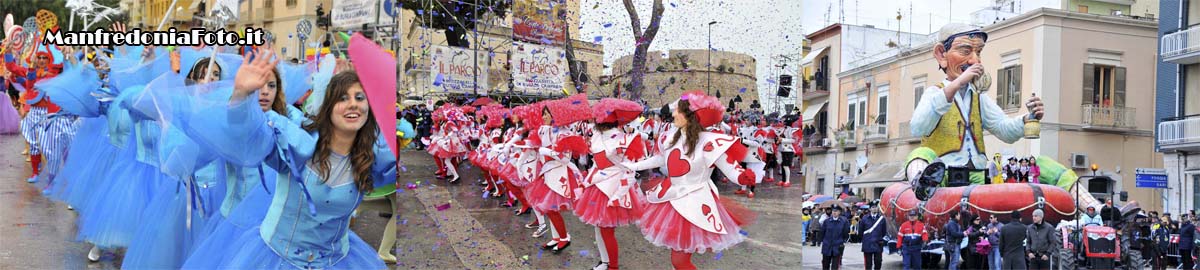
(525, 145)
(611, 197)
(766, 137)
(789, 138)
(553, 190)
(684, 212)
(452, 143)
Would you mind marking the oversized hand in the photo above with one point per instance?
(969, 75)
(254, 74)
(1034, 104)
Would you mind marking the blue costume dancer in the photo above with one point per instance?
(325, 168)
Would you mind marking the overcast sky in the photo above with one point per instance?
(759, 28)
(762, 28)
(926, 16)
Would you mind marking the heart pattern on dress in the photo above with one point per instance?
(677, 166)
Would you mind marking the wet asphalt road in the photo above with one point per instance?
(455, 226)
(37, 233)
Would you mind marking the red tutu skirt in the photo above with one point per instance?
(542, 198)
(664, 227)
(509, 173)
(592, 208)
(493, 166)
(473, 157)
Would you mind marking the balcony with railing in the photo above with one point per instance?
(815, 144)
(875, 134)
(817, 87)
(1180, 134)
(845, 138)
(905, 133)
(1182, 47)
(1105, 117)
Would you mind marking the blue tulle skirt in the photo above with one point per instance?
(166, 239)
(114, 209)
(249, 251)
(244, 218)
(10, 120)
(91, 155)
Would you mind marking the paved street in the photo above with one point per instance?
(853, 258)
(40, 234)
(472, 231)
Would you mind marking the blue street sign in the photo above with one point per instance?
(1151, 180)
(391, 8)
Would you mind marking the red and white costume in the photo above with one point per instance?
(554, 188)
(684, 212)
(610, 195)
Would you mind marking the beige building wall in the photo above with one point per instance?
(695, 77)
(1052, 68)
(824, 165)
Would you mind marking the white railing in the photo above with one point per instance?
(845, 137)
(1181, 43)
(1179, 131)
(1118, 117)
(875, 133)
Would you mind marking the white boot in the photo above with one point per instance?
(94, 254)
(452, 170)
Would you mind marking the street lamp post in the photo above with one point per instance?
(709, 54)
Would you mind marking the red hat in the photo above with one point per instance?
(619, 111)
(570, 110)
(707, 108)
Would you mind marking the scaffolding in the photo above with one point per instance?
(782, 64)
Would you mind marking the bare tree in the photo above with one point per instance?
(643, 40)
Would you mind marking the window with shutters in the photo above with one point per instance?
(918, 89)
(852, 105)
(291, 3)
(1104, 85)
(1008, 91)
(883, 106)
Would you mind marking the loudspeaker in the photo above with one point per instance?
(784, 91)
(785, 80)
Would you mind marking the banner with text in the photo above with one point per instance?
(538, 69)
(452, 70)
(353, 13)
(539, 21)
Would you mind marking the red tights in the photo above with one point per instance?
(682, 260)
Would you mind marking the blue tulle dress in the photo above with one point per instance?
(113, 212)
(306, 224)
(10, 120)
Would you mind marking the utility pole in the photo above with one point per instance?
(708, 88)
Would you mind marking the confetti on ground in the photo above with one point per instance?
(718, 257)
(443, 207)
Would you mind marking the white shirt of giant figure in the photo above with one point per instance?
(609, 148)
(688, 188)
(557, 168)
(933, 105)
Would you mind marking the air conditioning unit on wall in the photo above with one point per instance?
(1079, 161)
